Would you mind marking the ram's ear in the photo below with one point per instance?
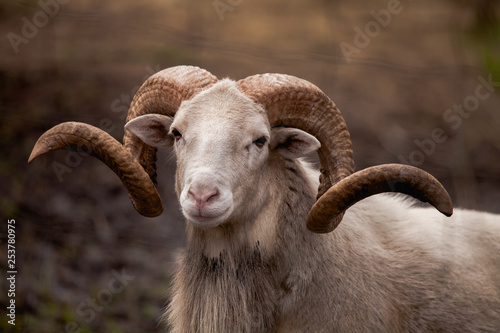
(292, 142)
(152, 129)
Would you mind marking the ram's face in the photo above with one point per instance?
(222, 141)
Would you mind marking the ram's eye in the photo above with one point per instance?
(176, 134)
(260, 142)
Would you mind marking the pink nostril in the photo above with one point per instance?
(203, 197)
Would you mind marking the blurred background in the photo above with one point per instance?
(410, 77)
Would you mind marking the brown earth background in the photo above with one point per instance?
(77, 230)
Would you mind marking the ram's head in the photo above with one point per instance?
(224, 132)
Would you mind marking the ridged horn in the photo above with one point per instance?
(94, 141)
(134, 162)
(293, 102)
(163, 93)
(327, 212)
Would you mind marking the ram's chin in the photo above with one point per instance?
(209, 221)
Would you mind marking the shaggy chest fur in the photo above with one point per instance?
(231, 293)
(241, 289)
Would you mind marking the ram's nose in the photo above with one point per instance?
(203, 196)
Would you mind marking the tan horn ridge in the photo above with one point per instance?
(294, 102)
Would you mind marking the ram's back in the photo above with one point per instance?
(447, 269)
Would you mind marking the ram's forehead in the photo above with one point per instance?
(223, 101)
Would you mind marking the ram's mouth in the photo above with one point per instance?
(207, 220)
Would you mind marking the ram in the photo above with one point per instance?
(261, 255)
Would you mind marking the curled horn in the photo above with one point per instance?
(293, 102)
(163, 93)
(96, 142)
(324, 215)
(134, 161)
